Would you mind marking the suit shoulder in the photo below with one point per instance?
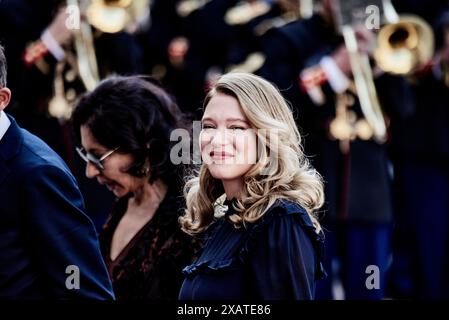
(36, 156)
(39, 151)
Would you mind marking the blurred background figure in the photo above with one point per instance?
(421, 160)
(202, 39)
(48, 244)
(53, 60)
(124, 128)
(345, 135)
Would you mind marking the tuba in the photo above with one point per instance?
(405, 44)
(113, 16)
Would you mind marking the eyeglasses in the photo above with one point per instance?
(89, 157)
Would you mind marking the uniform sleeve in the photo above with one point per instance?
(61, 236)
(283, 261)
(281, 60)
(396, 96)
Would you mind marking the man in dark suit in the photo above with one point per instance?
(37, 42)
(48, 246)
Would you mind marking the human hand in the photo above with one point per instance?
(366, 39)
(365, 45)
(58, 28)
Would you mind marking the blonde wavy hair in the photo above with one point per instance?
(281, 171)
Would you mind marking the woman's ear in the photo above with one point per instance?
(5, 97)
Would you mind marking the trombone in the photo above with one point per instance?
(363, 76)
(364, 83)
(85, 52)
(83, 64)
(109, 16)
(404, 44)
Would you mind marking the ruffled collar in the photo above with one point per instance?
(229, 206)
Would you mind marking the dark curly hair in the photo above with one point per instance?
(136, 115)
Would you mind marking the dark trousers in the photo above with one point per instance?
(355, 253)
(420, 239)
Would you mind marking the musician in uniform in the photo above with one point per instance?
(420, 152)
(37, 41)
(309, 62)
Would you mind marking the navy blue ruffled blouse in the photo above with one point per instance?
(277, 257)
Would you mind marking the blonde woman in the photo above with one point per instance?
(268, 243)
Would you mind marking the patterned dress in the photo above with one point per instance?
(150, 266)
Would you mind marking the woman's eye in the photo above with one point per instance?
(237, 128)
(207, 126)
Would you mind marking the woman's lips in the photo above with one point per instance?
(110, 185)
(220, 155)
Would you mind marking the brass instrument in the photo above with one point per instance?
(112, 16)
(364, 83)
(405, 44)
(245, 11)
(363, 78)
(83, 63)
(440, 61)
(107, 16)
(85, 52)
(445, 63)
(185, 7)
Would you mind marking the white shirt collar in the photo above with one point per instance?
(4, 124)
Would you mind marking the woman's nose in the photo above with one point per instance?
(91, 170)
(220, 138)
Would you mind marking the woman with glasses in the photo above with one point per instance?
(124, 128)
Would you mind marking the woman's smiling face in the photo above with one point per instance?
(114, 175)
(227, 141)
